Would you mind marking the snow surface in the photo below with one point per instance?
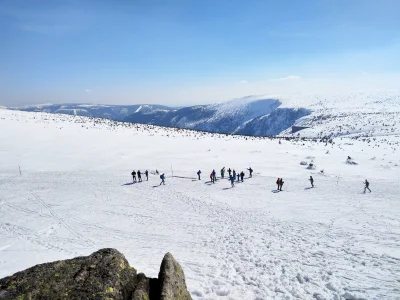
(248, 242)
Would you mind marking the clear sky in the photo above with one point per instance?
(182, 52)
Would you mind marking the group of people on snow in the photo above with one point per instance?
(280, 183)
(232, 176)
(139, 175)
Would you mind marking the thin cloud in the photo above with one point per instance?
(290, 77)
(243, 81)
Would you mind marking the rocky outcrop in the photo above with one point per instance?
(172, 280)
(105, 274)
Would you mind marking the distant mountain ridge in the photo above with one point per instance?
(357, 113)
(113, 112)
(238, 116)
(250, 115)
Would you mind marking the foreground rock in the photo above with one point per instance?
(105, 274)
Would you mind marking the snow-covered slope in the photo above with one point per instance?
(227, 117)
(74, 195)
(357, 115)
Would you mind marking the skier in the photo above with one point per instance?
(251, 172)
(214, 176)
(162, 177)
(366, 186)
(147, 175)
(232, 179)
(242, 175)
(139, 175)
(229, 172)
(278, 182)
(223, 172)
(312, 181)
(133, 175)
(281, 182)
(198, 173)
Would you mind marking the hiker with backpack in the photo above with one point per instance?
(162, 177)
(214, 174)
(198, 173)
(212, 177)
(281, 182)
(139, 174)
(366, 186)
(278, 182)
(251, 172)
(232, 180)
(133, 176)
(223, 172)
(234, 174)
(147, 175)
(312, 181)
(241, 175)
(229, 172)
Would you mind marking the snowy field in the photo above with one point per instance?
(248, 242)
(355, 115)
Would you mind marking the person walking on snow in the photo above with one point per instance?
(250, 171)
(234, 174)
(242, 175)
(214, 176)
(223, 172)
(147, 175)
(312, 181)
(278, 182)
(211, 177)
(139, 175)
(366, 186)
(281, 182)
(162, 177)
(198, 173)
(133, 175)
(229, 172)
(232, 180)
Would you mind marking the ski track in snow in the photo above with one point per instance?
(246, 242)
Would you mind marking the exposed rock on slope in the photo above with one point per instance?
(105, 274)
(172, 280)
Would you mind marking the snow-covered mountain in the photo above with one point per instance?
(357, 114)
(113, 112)
(239, 116)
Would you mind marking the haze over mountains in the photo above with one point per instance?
(352, 113)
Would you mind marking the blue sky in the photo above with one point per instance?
(187, 51)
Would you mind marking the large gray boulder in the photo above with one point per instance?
(172, 280)
(105, 274)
